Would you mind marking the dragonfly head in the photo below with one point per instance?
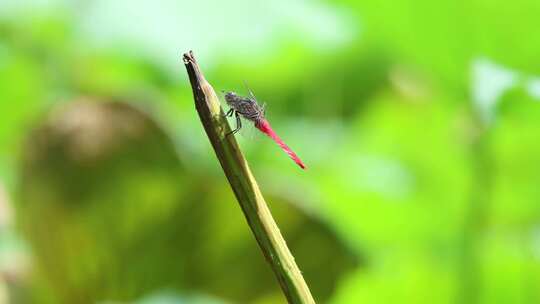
(230, 96)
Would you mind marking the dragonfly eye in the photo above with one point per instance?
(230, 95)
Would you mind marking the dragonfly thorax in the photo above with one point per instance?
(245, 106)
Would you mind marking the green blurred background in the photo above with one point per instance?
(418, 120)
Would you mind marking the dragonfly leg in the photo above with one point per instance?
(229, 113)
(238, 124)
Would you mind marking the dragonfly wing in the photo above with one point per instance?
(251, 95)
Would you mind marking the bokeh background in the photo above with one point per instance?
(418, 120)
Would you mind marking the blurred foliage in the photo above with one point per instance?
(418, 121)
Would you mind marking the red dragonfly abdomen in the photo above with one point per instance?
(264, 126)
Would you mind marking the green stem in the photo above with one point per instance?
(475, 216)
(245, 187)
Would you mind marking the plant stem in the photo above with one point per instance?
(475, 214)
(245, 187)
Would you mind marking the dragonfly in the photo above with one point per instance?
(249, 109)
